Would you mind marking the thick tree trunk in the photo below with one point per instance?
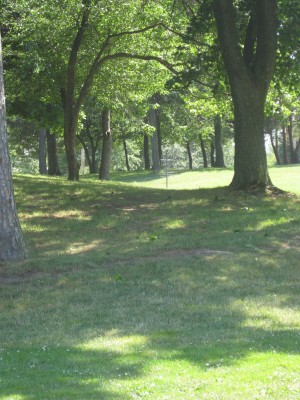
(12, 246)
(249, 73)
(126, 154)
(106, 146)
(154, 141)
(219, 162)
(251, 173)
(42, 152)
(53, 166)
(189, 153)
(146, 152)
(203, 150)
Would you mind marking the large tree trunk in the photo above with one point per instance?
(154, 141)
(249, 76)
(42, 152)
(219, 162)
(106, 146)
(53, 166)
(12, 246)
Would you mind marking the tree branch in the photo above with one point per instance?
(266, 40)
(160, 60)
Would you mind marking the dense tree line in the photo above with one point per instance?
(82, 69)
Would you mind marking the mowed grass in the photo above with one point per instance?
(132, 291)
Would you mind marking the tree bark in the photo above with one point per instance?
(219, 161)
(203, 150)
(53, 166)
(12, 246)
(43, 151)
(249, 76)
(106, 145)
(188, 148)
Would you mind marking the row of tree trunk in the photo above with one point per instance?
(286, 148)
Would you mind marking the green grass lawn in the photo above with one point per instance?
(132, 291)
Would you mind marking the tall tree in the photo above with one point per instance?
(250, 67)
(11, 239)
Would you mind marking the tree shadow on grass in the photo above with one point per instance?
(209, 311)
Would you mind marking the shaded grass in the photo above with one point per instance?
(121, 299)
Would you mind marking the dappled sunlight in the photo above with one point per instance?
(80, 247)
(116, 342)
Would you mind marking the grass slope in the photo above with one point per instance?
(132, 291)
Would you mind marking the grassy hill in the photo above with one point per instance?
(132, 291)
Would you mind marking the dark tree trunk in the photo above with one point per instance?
(212, 154)
(12, 246)
(188, 148)
(203, 150)
(154, 141)
(53, 166)
(158, 130)
(42, 152)
(71, 106)
(146, 152)
(275, 146)
(219, 162)
(106, 146)
(126, 154)
(249, 76)
(284, 146)
(91, 148)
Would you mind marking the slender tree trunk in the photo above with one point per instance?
(42, 151)
(203, 150)
(126, 154)
(284, 146)
(275, 146)
(106, 146)
(53, 166)
(12, 246)
(212, 154)
(146, 152)
(158, 130)
(293, 155)
(188, 148)
(219, 162)
(250, 72)
(154, 141)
